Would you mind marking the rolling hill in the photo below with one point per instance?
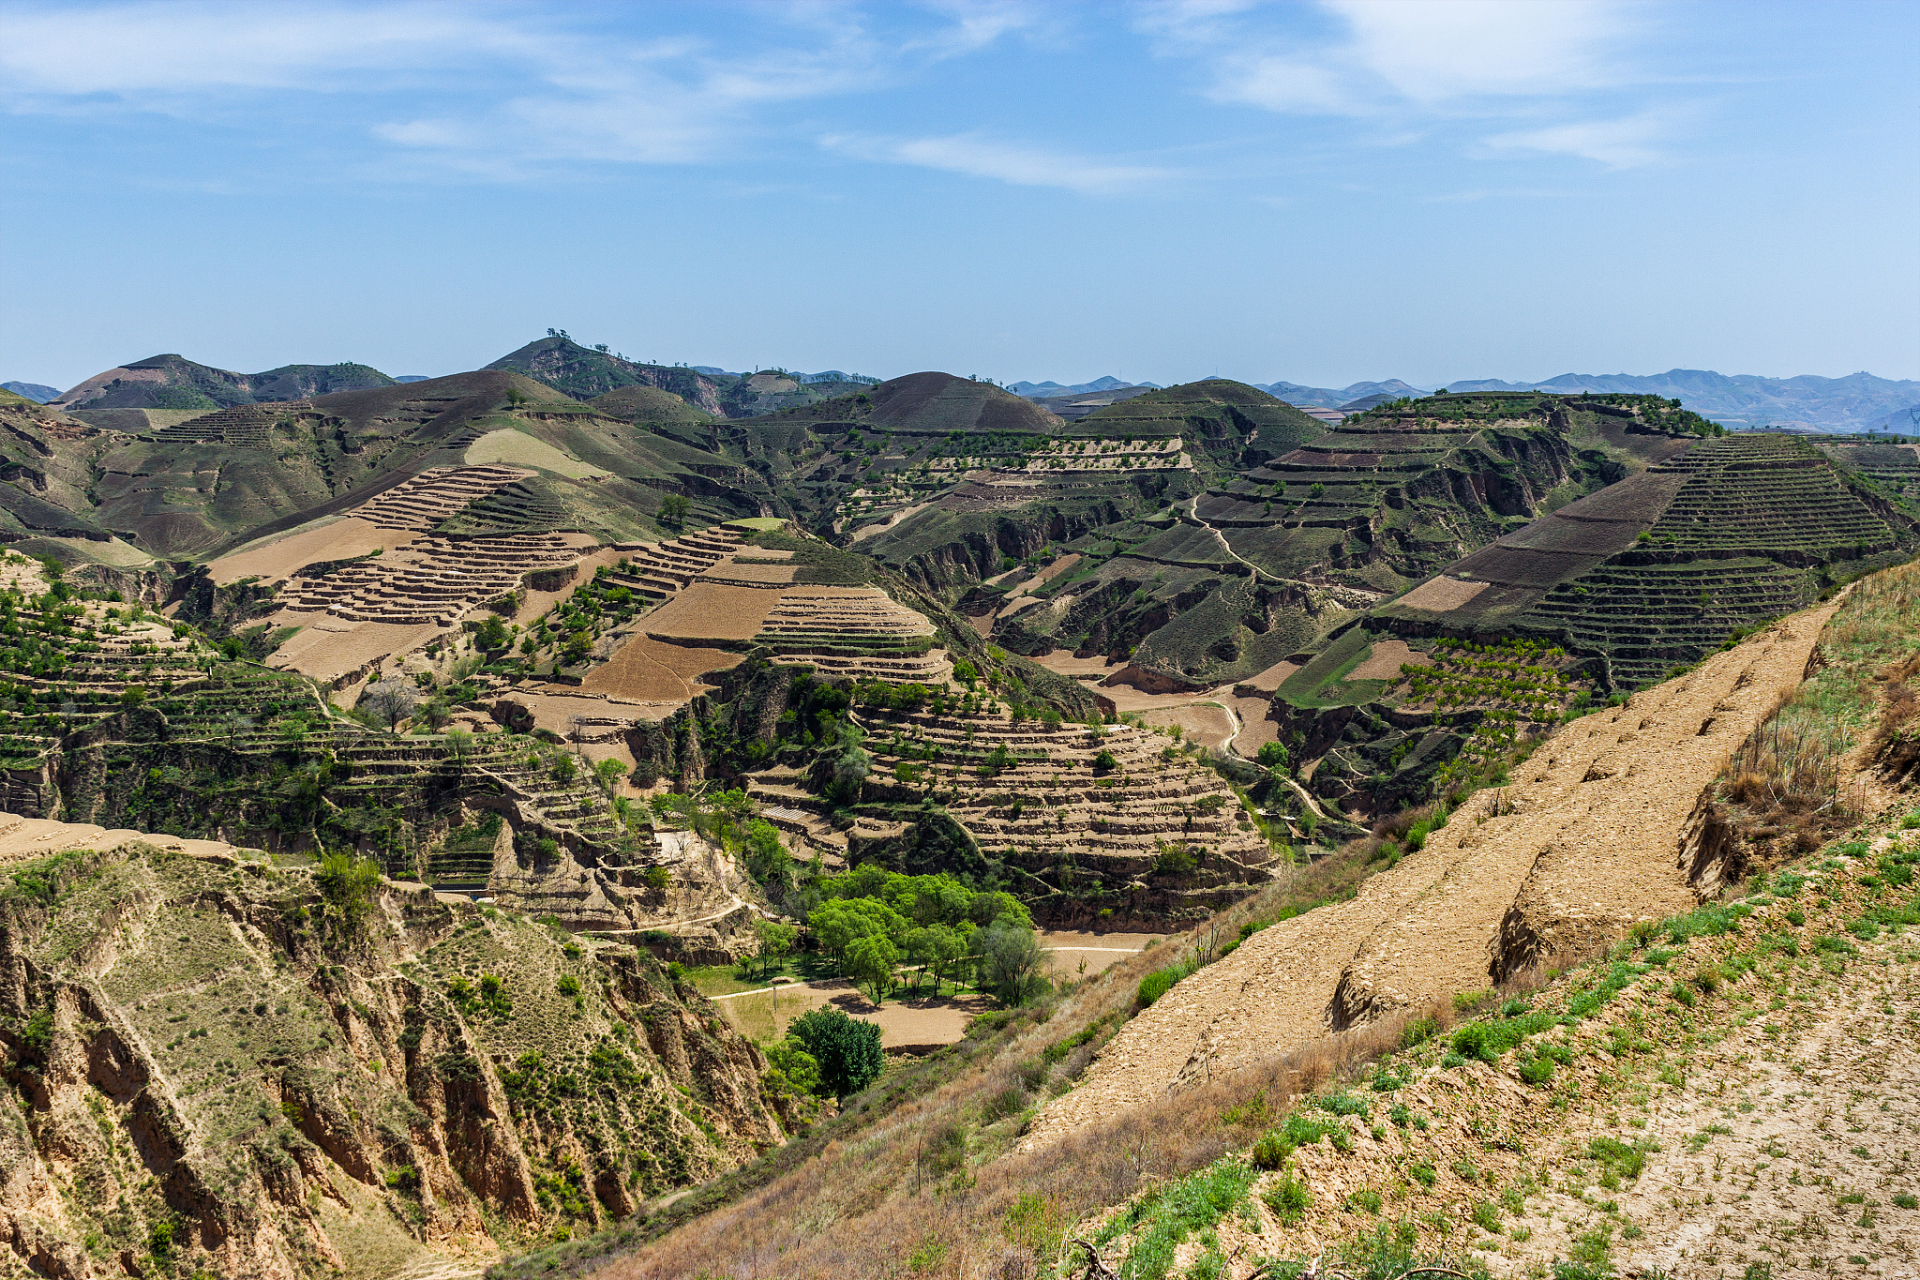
(174, 382)
(589, 372)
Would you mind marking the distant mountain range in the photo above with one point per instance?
(1857, 402)
(1048, 390)
(37, 392)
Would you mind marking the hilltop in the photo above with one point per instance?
(589, 372)
(174, 382)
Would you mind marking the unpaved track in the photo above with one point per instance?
(1590, 843)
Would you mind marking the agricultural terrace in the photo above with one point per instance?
(853, 631)
(1518, 675)
(1755, 530)
(109, 715)
(900, 474)
(1088, 819)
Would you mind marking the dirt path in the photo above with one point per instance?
(1306, 797)
(1585, 842)
(1193, 514)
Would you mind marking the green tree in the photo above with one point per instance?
(776, 940)
(674, 509)
(1010, 962)
(838, 923)
(936, 948)
(870, 963)
(847, 1050)
(799, 1068)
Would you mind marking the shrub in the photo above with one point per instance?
(1537, 1070)
(347, 884)
(1271, 1152)
(1288, 1198)
(847, 1050)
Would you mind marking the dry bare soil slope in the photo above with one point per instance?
(1586, 841)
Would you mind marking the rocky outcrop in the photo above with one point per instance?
(215, 1067)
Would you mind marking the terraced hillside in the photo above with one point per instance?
(1292, 538)
(1607, 593)
(113, 715)
(201, 484)
(1111, 824)
(1893, 465)
(1655, 573)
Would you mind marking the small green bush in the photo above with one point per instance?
(1289, 1198)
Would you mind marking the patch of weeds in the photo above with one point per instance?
(1289, 1198)
(1364, 1202)
(1160, 1222)
(1624, 1160)
(1424, 1174)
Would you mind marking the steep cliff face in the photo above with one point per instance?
(214, 1065)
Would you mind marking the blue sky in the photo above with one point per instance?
(1314, 192)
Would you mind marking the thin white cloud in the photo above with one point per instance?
(1397, 54)
(1440, 51)
(137, 49)
(1003, 162)
(578, 94)
(1618, 144)
(1411, 69)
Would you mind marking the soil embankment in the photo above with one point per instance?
(1584, 843)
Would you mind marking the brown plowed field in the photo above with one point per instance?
(655, 671)
(327, 654)
(1271, 679)
(24, 838)
(1440, 595)
(1255, 729)
(712, 611)
(335, 540)
(1385, 661)
(1585, 842)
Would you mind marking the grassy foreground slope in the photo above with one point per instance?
(1522, 1120)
